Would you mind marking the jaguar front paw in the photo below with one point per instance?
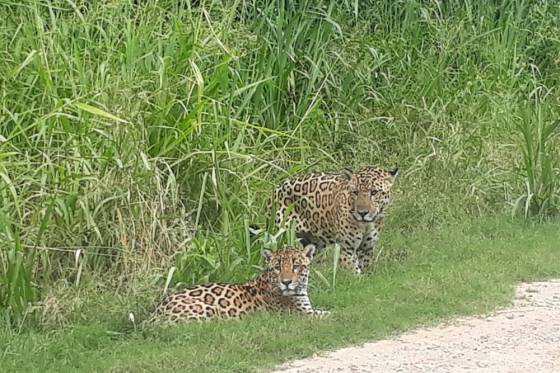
(321, 313)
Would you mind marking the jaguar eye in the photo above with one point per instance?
(355, 192)
(296, 268)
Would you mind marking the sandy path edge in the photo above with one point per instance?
(522, 338)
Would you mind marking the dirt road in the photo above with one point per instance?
(522, 338)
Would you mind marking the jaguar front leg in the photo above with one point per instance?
(348, 259)
(303, 304)
(366, 249)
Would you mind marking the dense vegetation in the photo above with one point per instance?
(138, 139)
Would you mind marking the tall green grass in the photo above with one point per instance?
(539, 130)
(141, 137)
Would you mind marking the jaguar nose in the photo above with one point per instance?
(286, 282)
(363, 213)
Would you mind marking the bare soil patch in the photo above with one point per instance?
(522, 338)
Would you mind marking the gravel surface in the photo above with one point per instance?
(522, 338)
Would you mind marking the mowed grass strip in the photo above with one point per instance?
(421, 278)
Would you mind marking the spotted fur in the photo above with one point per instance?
(346, 208)
(282, 286)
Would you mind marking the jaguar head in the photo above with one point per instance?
(369, 192)
(290, 268)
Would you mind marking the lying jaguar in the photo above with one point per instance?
(282, 286)
(345, 208)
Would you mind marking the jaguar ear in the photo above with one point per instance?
(266, 254)
(347, 172)
(394, 172)
(310, 250)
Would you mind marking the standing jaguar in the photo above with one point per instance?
(281, 286)
(346, 208)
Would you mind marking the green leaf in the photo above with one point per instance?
(96, 111)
